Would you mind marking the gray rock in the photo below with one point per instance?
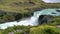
(45, 19)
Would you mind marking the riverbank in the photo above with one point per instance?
(31, 30)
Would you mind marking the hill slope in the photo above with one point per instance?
(22, 6)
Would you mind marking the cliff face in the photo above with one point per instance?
(45, 19)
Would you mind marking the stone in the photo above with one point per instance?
(45, 19)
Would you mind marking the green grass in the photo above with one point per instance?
(45, 29)
(41, 29)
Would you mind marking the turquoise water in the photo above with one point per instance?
(32, 21)
(47, 12)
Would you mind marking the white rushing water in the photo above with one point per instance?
(32, 21)
(51, 1)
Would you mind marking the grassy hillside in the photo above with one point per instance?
(22, 6)
(18, 5)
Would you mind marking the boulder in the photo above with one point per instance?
(45, 19)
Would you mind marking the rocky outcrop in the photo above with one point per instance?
(58, 10)
(9, 16)
(6, 16)
(45, 19)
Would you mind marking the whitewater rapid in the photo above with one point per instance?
(32, 21)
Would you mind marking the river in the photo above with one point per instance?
(32, 21)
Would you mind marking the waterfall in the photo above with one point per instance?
(32, 21)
